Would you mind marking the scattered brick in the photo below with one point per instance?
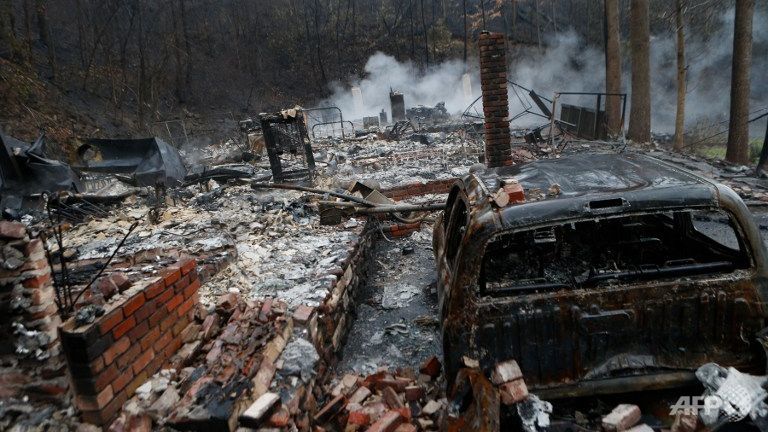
(621, 418)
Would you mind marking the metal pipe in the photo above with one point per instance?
(394, 208)
(256, 185)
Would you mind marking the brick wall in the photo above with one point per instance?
(27, 298)
(493, 80)
(109, 358)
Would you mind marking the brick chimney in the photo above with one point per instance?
(493, 79)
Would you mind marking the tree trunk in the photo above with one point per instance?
(7, 32)
(681, 70)
(639, 40)
(612, 67)
(45, 33)
(738, 128)
(426, 37)
(466, 35)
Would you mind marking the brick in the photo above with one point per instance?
(164, 296)
(123, 327)
(162, 342)
(37, 281)
(145, 311)
(431, 367)
(387, 423)
(106, 377)
(127, 357)
(187, 305)
(359, 418)
(174, 302)
(414, 393)
(253, 416)
(168, 322)
(406, 427)
(158, 316)
(360, 395)
(115, 350)
(513, 392)
(180, 284)
(505, 372)
(138, 332)
(123, 379)
(171, 275)
(280, 418)
(178, 327)
(303, 314)
(94, 403)
(12, 230)
(135, 383)
(187, 266)
(621, 418)
(143, 361)
(172, 347)
(132, 304)
(192, 288)
(150, 338)
(154, 289)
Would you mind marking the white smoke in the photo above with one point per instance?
(569, 64)
(438, 83)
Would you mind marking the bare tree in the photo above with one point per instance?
(612, 66)
(681, 72)
(45, 33)
(639, 40)
(738, 128)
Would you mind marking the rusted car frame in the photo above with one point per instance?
(624, 330)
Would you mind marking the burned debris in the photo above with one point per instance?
(27, 172)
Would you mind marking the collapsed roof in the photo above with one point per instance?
(147, 161)
(25, 171)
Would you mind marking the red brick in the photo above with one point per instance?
(174, 302)
(94, 403)
(406, 427)
(12, 230)
(106, 377)
(124, 327)
(138, 332)
(143, 361)
(303, 313)
(116, 349)
(359, 418)
(179, 326)
(168, 322)
(37, 281)
(387, 423)
(186, 306)
(129, 356)
(180, 284)
(431, 367)
(188, 266)
(192, 288)
(133, 303)
(164, 296)
(137, 381)
(158, 316)
(151, 337)
(154, 289)
(145, 311)
(171, 275)
(122, 380)
(162, 342)
(172, 347)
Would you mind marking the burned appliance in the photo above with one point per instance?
(288, 145)
(599, 273)
(140, 162)
(26, 171)
(397, 106)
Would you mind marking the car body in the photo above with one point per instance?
(618, 272)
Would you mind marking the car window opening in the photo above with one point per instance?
(612, 250)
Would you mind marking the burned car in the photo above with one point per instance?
(598, 274)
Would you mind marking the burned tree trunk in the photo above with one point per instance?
(738, 128)
(612, 66)
(45, 33)
(639, 40)
(681, 69)
(7, 32)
